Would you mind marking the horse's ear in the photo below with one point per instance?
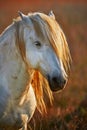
(51, 14)
(25, 18)
(22, 15)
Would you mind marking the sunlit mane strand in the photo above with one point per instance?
(40, 85)
(58, 41)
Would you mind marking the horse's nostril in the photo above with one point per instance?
(56, 82)
(59, 81)
(54, 79)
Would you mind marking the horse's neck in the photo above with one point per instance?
(7, 34)
(13, 70)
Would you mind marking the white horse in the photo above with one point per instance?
(32, 49)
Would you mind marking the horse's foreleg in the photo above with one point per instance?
(4, 97)
(24, 127)
(24, 118)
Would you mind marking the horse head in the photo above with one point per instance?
(46, 48)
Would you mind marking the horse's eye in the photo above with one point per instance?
(37, 43)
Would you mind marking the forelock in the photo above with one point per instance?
(57, 40)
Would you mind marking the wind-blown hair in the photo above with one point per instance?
(50, 29)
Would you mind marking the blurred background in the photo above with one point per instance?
(69, 111)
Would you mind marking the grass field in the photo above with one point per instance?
(69, 110)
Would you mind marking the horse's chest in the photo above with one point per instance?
(14, 76)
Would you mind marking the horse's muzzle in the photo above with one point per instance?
(56, 83)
